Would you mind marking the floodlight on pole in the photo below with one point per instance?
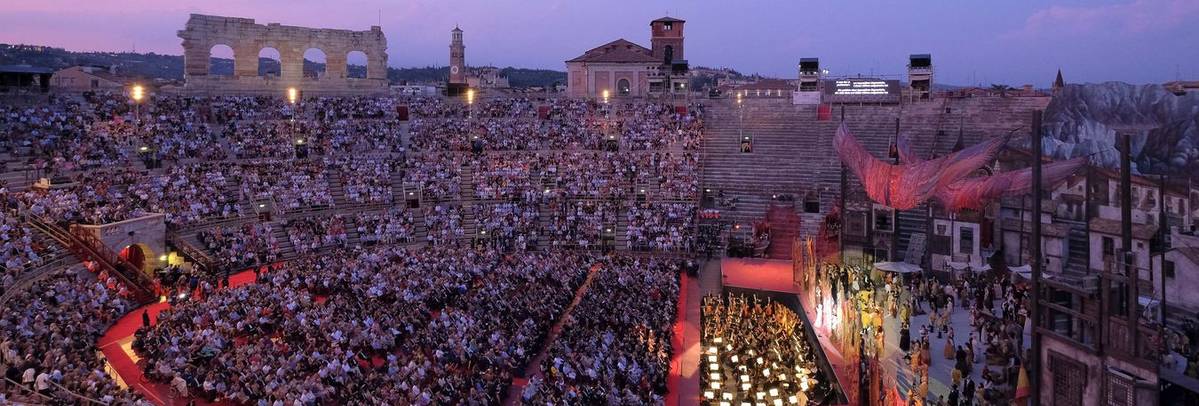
(292, 94)
(137, 93)
(605, 96)
(470, 96)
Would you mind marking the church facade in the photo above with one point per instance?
(626, 69)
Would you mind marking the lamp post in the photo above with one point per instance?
(740, 118)
(292, 96)
(137, 93)
(470, 103)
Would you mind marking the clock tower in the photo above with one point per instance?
(457, 57)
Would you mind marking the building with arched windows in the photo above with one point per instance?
(626, 69)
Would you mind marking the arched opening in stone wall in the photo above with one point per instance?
(134, 254)
(622, 87)
(314, 63)
(356, 62)
(269, 62)
(220, 60)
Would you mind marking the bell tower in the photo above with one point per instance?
(457, 57)
(666, 39)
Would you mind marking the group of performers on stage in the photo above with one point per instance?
(853, 302)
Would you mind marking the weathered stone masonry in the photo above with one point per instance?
(247, 39)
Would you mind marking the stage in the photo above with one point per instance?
(773, 275)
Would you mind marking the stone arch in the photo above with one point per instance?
(248, 38)
(136, 254)
(270, 62)
(315, 63)
(221, 58)
(357, 63)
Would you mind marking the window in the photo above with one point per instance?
(942, 229)
(1069, 379)
(667, 26)
(966, 240)
(1168, 269)
(1109, 246)
(883, 220)
(811, 204)
(855, 223)
(622, 87)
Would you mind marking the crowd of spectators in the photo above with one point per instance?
(385, 325)
(667, 226)
(237, 247)
(396, 225)
(48, 334)
(309, 234)
(338, 323)
(580, 223)
(18, 249)
(508, 225)
(616, 348)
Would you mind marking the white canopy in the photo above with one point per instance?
(961, 266)
(897, 267)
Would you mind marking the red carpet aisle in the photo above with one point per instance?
(117, 342)
(683, 381)
(534, 367)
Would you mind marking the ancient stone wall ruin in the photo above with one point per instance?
(248, 39)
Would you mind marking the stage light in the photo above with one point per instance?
(144, 148)
(261, 205)
(162, 258)
(137, 93)
(182, 296)
(292, 94)
(470, 96)
(299, 141)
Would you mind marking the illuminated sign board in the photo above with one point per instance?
(861, 90)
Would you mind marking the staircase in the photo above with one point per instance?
(87, 247)
(784, 228)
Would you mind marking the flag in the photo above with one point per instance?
(1022, 386)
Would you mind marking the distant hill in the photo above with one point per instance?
(158, 66)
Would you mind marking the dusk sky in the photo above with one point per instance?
(1012, 41)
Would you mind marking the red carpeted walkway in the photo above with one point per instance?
(761, 274)
(683, 382)
(117, 341)
(533, 369)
